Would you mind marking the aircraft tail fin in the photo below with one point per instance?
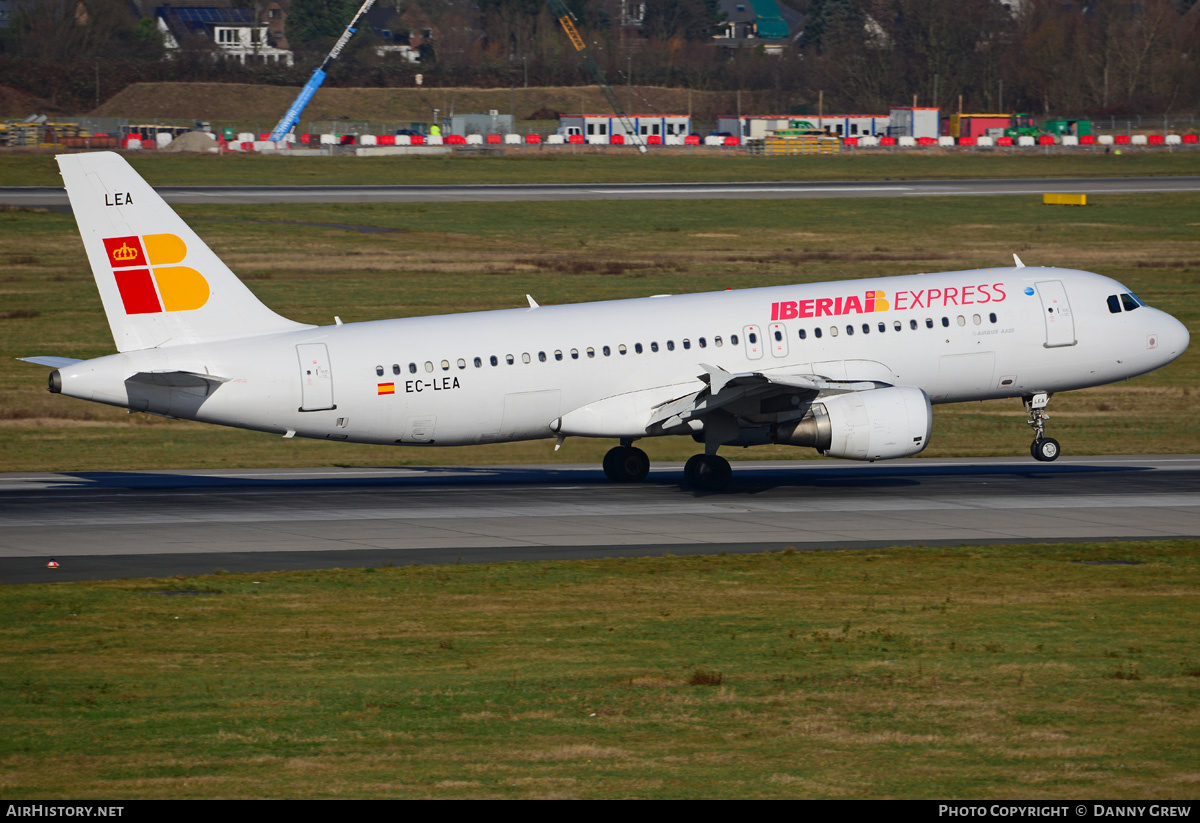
(160, 284)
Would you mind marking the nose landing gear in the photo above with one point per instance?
(1043, 448)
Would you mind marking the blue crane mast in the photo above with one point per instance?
(318, 77)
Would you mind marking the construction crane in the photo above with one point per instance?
(318, 77)
(566, 18)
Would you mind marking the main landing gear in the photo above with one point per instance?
(1042, 448)
(626, 464)
(707, 472)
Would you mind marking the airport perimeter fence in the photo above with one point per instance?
(87, 132)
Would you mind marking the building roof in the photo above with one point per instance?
(771, 25)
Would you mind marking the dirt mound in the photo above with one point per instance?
(16, 103)
(197, 141)
(225, 102)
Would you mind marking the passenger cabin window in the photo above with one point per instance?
(478, 363)
(803, 334)
(445, 365)
(733, 339)
(509, 359)
(462, 364)
(816, 332)
(703, 343)
(637, 347)
(412, 368)
(654, 346)
(717, 341)
(525, 357)
(428, 365)
(495, 361)
(395, 368)
(379, 370)
(670, 345)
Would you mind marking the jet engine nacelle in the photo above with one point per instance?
(877, 424)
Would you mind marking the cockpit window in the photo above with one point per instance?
(1130, 302)
(1114, 304)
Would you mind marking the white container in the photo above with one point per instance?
(907, 141)
(474, 139)
(1026, 140)
(985, 141)
(1138, 140)
(554, 140)
(1070, 140)
(513, 140)
(1174, 140)
(1105, 140)
(945, 141)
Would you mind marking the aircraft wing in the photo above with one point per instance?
(751, 395)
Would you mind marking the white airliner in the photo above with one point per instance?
(849, 368)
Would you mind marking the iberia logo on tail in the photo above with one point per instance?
(149, 279)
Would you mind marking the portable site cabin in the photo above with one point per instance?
(977, 125)
(757, 127)
(491, 123)
(915, 121)
(601, 127)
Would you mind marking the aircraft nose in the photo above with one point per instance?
(1173, 337)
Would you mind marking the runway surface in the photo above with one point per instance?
(51, 197)
(105, 525)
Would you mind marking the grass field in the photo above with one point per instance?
(549, 165)
(973, 672)
(457, 257)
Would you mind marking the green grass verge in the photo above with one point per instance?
(473, 256)
(1030, 671)
(549, 165)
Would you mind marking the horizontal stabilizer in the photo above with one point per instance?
(52, 362)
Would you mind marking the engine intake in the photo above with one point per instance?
(877, 424)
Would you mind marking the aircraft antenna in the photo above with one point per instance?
(292, 117)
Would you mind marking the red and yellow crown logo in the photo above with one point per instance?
(125, 252)
(147, 277)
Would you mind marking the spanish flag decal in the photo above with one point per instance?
(387, 388)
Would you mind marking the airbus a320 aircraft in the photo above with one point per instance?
(848, 368)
